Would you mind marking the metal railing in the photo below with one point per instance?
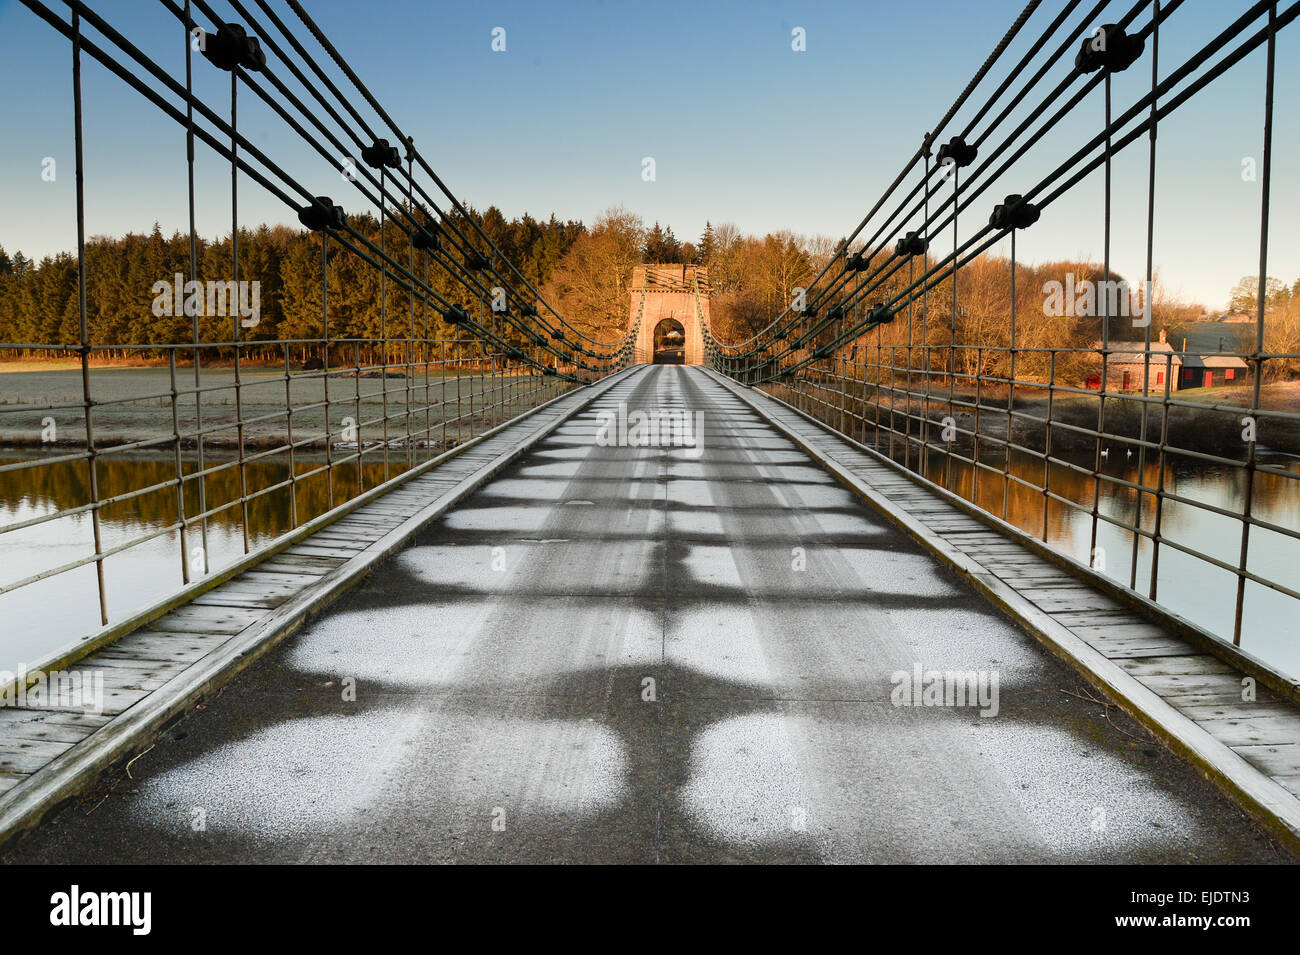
(634, 333)
(239, 434)
(450, 391)
(1090, 441)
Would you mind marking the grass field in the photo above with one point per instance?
(133, 404)
(1214, 428)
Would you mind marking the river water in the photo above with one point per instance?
(44, 616)
(1191, 587)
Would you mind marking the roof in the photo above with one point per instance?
(1135, 353)
(1212, 361)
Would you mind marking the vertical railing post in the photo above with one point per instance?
(460, 368)
(383, 308)
(879, 376)
(325, 365)
(844, 376)
(925, 321)
(200, 465)
(1257, 359)
(1011, 389)
(180, 468)
(1047, 442)
(979, 401)
(1158, 523)
(288, 427)
(893, 395)
(1103, 302)
(234, 258)
(83, 340)
(428, 357)
(475, 371)
(1147, 310)
(952, 347)
(907, 379)
(410, 334)
(356, 410)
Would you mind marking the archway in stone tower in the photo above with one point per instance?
(670, 343)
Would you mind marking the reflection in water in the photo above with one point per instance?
(1187, 585)
(63, 608)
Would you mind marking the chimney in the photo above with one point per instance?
(1163, 337)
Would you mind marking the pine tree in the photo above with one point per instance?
(707, 245)
(672, 248)
(662, 246)
(654, 244)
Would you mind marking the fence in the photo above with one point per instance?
(1087, 445)
(247, 439)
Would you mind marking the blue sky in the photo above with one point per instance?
(741, 127)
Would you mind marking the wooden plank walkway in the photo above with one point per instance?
(1188, 692)
(50, 753)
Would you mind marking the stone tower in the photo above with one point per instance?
(670, 328)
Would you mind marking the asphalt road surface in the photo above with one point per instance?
(655, 654)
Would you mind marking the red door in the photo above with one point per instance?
(1209, 379)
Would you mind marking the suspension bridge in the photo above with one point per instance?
(677, 595)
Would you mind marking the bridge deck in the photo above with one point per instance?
(640, 654)
(155, 674)
(1188, 691)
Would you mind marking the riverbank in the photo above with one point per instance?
(1214, 426)
(41, 406)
